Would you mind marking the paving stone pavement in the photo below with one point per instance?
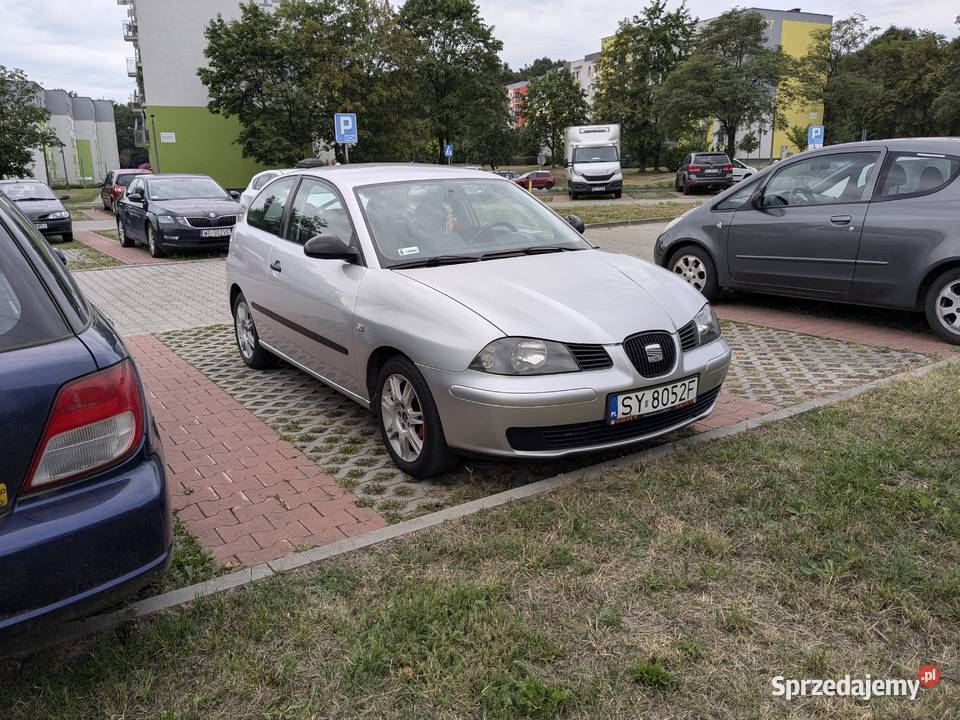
(153, 298)
(630, 239)
(127, 256)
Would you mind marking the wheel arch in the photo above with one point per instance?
(931, 275)
(375, 362)
(679, 245)
(234, 292)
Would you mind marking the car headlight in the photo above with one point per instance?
(708, 327)
(59, 215)
(524, 356)
(171, 220)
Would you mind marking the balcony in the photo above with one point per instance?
(136, 99)
(132, 67)
(130, 31)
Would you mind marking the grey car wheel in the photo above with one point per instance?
(402, 417)
(695, 265)
(942, 306)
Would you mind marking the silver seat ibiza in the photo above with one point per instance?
(467, 316)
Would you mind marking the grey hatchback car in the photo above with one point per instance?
(872, 223)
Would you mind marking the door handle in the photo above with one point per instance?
(841, 219)
(275, 266)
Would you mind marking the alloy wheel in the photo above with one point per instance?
(152, 241)
(948, 306)
(246, 337)
(402, 417)
(120, 234)
(691, 269)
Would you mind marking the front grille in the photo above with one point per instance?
(598, 178)
(590, 357)
(208, 222)
(689, 337)
(581, 435)
(635, 347)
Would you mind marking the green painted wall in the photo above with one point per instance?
(84, 161)
(205, 143)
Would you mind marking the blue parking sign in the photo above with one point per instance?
(448, 150)
(815, 136)
(345, 128)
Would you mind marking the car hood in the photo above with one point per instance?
(596, 168)
(589, 296)
(195, 208)
(33, 209)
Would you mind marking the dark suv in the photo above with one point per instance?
(711, 170)
(873, 223)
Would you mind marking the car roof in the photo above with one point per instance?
(178, 176)
(349, 176)
(138, 171)
(941, 145)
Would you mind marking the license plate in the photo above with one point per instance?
(633, 404)
(40, 226)
(597, 189)
(711, 172)
(217, 232)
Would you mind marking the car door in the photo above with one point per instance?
(106, 188)
(251, 254)
(315, 299)
(134, 212)
(802, 230)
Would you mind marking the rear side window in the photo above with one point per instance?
(266, 211)
(28, 316)
(263, 180)
(915, 174)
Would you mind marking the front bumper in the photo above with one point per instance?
(506, 416)
(600, 188)
(189, 238)
(54, 227)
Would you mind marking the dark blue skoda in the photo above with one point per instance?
(84, 511)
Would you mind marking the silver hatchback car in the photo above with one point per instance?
(467, 315)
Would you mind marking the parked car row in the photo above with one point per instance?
(44, 208)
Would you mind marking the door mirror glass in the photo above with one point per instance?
(135, 197)
(329, 247)
(234, 194)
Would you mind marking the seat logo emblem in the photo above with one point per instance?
(654, 352)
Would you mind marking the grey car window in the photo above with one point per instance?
(917, 174)
(317, 210)
(266, 211)
(821, 180)
(262, 180)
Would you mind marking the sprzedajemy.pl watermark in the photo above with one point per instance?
(862, 688)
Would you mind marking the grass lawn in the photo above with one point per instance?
(84, 257)
(823, 545)
(611, 212)
(81, 196)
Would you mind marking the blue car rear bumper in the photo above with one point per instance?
(83, 548)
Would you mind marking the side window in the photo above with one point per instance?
(108, 180)
(263, 180)
(135, 186)
(738, 199)
(266, 211)
(317, 210)
(821, 180)
(914, 174)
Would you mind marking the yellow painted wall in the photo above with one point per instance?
(795, 41)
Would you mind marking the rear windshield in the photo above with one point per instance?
(711, 158)
(28, 315)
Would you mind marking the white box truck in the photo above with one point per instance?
(591, 160)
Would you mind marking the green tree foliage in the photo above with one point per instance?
(22, 123)
(730, 77)
(946, 108)
(539, 67)
(554, 102)
(644, 51)
(798, 136)
(130, 155)
(457, 70)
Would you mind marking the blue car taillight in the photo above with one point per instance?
(96, 421)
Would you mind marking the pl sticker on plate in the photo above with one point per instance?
(412, 250)
(3, 495)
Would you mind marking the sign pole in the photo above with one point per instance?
(346, 153)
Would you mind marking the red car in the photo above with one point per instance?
(115, 184)
(540, 179)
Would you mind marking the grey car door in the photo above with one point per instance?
(802, 231)
(316, 298)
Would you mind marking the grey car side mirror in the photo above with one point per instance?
(134, 197)
(329, 247)
(576, 223)
(234, 194)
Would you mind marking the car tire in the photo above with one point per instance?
(686, 187)
(942, 305)
(617, 195)
(398, 410)
(67, 237)
(549, 186)
(248, 340)
(153, 243)
(676, 184)
(695, 265)
(106, 205)
(125, 240)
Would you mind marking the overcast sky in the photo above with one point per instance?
(78, 44)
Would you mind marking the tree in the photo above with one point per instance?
(798, 136)
(644, 50)
(946, 108)
(456, 65)
(537, 68)
(552, 103)
(730, 76)
(131, 156)
(22, 123)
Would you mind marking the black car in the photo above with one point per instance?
(41, 206)
(872, 223)
(183, 212)
(710, 170)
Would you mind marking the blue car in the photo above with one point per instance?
(84, 511)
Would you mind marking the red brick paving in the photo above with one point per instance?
(731, 409)
(245, 493)
(843, 330)
(128, 256)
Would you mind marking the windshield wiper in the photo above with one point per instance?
(436, 260)
(30, 199)
(536, 250)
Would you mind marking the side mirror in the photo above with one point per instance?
(234, 194)
(329, 247)
(61, 256)
(64, 197)
(576, 223)
(567, 163)
(135, 197)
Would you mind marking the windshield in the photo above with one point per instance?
(604, 153)
(18, 192)
(186, 189)
(425, 222)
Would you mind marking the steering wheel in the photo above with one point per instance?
(802, 196)
(490, 226)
